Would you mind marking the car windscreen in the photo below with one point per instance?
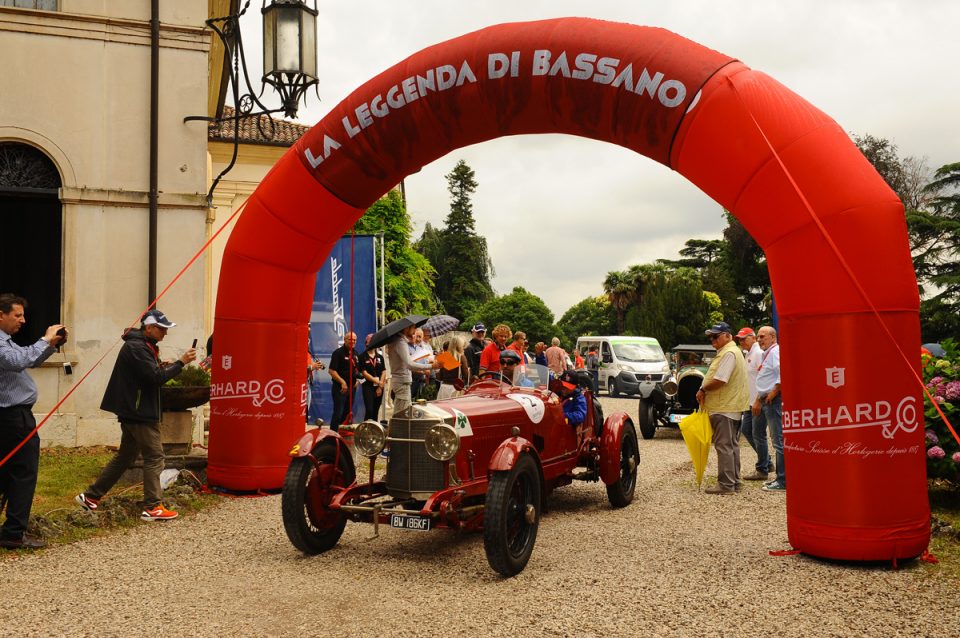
(638, 352)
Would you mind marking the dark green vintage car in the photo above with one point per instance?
(676, 397)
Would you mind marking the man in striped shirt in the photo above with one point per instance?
(18, 393)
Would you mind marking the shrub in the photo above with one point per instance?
(942, 378)
(190, 376)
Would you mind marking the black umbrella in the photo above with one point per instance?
(383, 336)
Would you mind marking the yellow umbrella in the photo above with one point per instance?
(697, 434)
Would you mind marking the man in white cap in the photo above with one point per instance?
(133, 394)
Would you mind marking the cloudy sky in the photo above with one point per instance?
(580, 208)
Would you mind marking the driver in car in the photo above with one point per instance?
(509, 370)
(574, 403)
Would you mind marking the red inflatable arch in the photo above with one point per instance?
(833, 232)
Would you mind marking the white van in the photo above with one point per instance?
(628, 365)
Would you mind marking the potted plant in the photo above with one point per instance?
(190, 389)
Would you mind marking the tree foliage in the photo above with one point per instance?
(408, 282)
(457, 252)
(519, 309)
(932, 208)
(936, 235)
(734, 268)
(619, 288)
(591, 316)
(674, 308)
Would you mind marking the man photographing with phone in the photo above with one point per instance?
(133, 394)
(18, 393)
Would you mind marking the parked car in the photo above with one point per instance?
(676, 397)
(486, 460)
(628, 365)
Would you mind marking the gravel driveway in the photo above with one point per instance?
(674, 563)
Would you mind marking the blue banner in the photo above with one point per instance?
(344, 300)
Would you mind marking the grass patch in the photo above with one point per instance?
(65, 472)
(945, 528)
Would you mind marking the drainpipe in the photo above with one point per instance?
(154, 150)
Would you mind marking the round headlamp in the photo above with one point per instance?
(369, 438)
(670, 387)
(442, 442)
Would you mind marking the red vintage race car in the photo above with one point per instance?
(485, 460)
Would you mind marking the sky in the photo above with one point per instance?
(560, 212)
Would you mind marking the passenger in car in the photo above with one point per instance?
(574, 403)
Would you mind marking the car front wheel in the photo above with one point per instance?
(311, 525)
(647, 419)
(612, 388)
(620, 492)
(512, 516)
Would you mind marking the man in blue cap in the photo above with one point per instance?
(133, 394)
(725, 393)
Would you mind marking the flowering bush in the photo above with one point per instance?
(942, 377)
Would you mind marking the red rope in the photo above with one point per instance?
(112, 345)
(843, 262)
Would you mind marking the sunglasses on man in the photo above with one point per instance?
(508, 362)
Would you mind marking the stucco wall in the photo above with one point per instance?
(77, 86)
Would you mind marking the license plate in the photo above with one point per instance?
(405, 521)
(676, 418)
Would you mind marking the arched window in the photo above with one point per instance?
(32, 226)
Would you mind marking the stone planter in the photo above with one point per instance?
(176, 432)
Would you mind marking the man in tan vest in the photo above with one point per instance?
(725, 394)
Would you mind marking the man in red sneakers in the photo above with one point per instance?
(133, 394)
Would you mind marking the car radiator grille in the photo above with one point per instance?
(687, 393)
(411, 473)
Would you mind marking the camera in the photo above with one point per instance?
(62, 332)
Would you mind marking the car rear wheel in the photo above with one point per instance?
(612, 388)
(310, 524)
(647, 419)
(512, 516)
(620, 492)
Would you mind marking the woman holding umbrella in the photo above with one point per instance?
(402, 367)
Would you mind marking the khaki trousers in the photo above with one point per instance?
(136, 439)
(726, 435)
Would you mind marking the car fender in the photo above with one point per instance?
(505, 457)
(307, 443)
(613, 427)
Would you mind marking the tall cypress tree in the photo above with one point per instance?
(457, 252)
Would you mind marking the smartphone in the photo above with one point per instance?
(194, 346)
(67, 368)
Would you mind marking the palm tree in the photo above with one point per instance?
(619, 289)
